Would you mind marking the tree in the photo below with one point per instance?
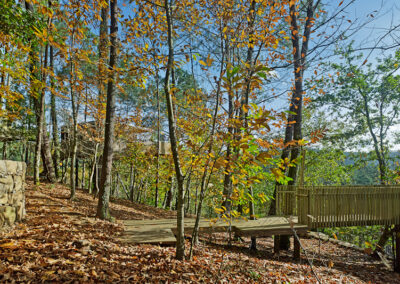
(180, 243)
(105, 182)
(53, 112)
(293, 131)
(367, 97)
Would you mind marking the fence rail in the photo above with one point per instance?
(337, 206)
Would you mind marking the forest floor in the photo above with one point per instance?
(61, 241)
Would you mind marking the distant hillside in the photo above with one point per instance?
(366, 167)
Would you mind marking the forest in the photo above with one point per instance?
(200, 112)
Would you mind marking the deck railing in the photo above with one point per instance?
(336, 206)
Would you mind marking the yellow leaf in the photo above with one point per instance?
(202, 63)
(334, 236)
(209, 60)
(49, 272)
(9, 245)
(218, 210)
(234, 180)
(52, 261)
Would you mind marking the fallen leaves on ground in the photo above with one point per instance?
(61, 241)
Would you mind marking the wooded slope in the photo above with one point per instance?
(60, 241)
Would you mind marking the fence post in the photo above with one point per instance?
(303, 205)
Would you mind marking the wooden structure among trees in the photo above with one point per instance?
(163, 231)
(340, 206)
(307, 207)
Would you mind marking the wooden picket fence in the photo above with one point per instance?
(339, 206)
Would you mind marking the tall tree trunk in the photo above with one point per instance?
(53, 112)
(158, 141)
(180, 243)
(227, 192)
(245, 100)
(40, 104)
(294, 125)
(104, 196)
(299, 66)
(34, 93)
(74, 145)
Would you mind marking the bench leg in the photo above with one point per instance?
(296, 248)
(277, 246)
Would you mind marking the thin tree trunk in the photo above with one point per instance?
(158, 141)
(245, 100)
(180, 241)
(253, 245)
(38, 109)
(53, 113)
(382, 169)
(40, 120)
(187, 194)
(104, 196)
(299, 66)
(227, 192)
(169, 195)
(83, 180)
(112, 185)
(77, 173)
(92, 173)
(123, 186)
(74, 145)
(132, 180)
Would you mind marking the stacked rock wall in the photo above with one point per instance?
(12, 192)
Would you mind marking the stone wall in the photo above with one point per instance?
(12, 192)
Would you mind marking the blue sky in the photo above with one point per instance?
(365, 30)
(386, 15)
